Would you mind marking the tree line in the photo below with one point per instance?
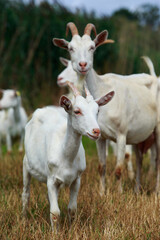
(30, 62)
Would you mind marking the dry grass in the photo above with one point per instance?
(115, 216)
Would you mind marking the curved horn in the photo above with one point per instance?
(107, 41)
(73, 29)
(89, 27)
(87, 92)
(73, 88)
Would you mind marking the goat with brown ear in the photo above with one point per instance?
(58, 157)
(132, 115)
(68, 74)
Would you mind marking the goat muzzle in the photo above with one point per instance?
(96, 132)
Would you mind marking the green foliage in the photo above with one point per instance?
(123, 12)
(149, 15)
(30, 62)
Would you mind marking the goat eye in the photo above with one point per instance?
(77, 112)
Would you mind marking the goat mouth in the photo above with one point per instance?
(83, 72)
(92, 136)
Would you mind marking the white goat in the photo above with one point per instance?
(132, 115)
(14, 117)
(153, 149)
(68, 74)
(54, 152)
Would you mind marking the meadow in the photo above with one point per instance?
(30, 63)
(127, 216)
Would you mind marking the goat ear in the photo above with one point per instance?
(65, 103)
(100, 38)
(105, 99)
(64, 61)
(62, 43)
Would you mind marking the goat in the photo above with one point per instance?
(132, 115)
(150, 65)
(14, 117)
(68, 74)
(58, 157)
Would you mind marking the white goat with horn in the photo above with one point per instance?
(68, 74)
(132, 115)
(54, 153)
(153, 149)
(14, 117)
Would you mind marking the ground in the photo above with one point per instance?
(114, 216)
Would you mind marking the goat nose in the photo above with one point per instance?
(96, 131)
(59, 78)
(82, 64)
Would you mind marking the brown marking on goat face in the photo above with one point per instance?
(118, 172)
(102, 169)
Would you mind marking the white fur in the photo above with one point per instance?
(68, 74)
(13, 118)
(54, 153)
(132, 115)
(153, 148)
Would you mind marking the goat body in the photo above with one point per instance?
(58, 157)
(41, 130)
(68, 74)
(132, 115)
(14, 118)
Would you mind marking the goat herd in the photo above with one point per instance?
(106, 107)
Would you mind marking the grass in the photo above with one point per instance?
(126, 216)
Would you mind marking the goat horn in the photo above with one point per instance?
(89, 27)
(88, 94)
(73, 88)
(86, 90)
(73, 29)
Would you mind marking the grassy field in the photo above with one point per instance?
(114, 216)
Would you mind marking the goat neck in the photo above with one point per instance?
(72, 141)
(95, 84)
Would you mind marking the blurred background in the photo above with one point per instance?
(30, 62)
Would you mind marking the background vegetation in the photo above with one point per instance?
(30, 62)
